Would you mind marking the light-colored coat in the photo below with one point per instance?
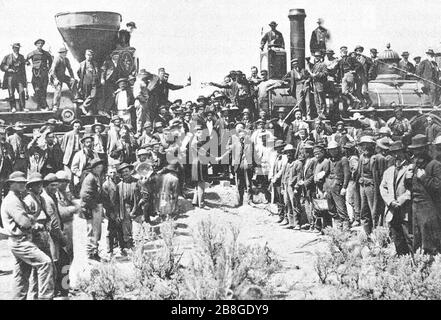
(78, 164)
(67, 145)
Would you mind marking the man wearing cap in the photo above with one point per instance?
(41, 64)
(319, 76)
(319, 37)
(336, 185)
(82, 159)
(14, 79)
(71, 143)
(428, 70)
(399, 125)
(110, 73)
(397, 198)
(91, 195)
(19, 224)
(57, 75)
(406, 66)
(19, 143)
(424, 176)
(88, 75)
(273, 37)
(348, 67)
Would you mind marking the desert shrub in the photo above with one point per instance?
(367, 268)
(222, 268)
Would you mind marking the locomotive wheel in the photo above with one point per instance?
(67, 116)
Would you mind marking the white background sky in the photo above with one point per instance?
(208, 38)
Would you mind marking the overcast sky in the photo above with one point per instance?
(208, 38)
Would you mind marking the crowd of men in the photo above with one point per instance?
(132, 171)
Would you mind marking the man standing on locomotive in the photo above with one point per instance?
(41, 64)
(88, 74)
(13, 65)
(58, 76)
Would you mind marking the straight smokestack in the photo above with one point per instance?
(297, 35)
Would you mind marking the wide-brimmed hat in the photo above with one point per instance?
(17, 176)
(273, 23)
(98, 125)
(62, 49)
(367, 139)
(63, 176)
(281, 110)
(349, 145)
(52, 122)
(39, 40)
(201, 98)
(16, 45)
(35, 177)
(76, 121)
(339, 123)
(126, 80)
(308, 144)
(85, 137)
(49, 178)
(131, 24)
(318, 54)
(141, 152)
(416, 58)
(279, 144)
(115, 118)
(383, 143)
(95, 162)
(218, 96)
(288, 148)
(430, 51)
(359, 47)
(332, 145)
(373, 50)
(418, 141)
(18, 126)
(396, 146)
(405, 54)
(147, 124)
(295, 60)
(330, 51)
(123, 166)
(385, 130)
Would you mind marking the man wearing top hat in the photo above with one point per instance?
(406, 65)
(91, 195)
(428, 70)
(274, 38)
(14, 67)
(41, 64)
(57, 75)
(19, 224)
(319, 37)
(424, 176)
(397, 198)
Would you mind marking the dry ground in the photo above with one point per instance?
(295, 249)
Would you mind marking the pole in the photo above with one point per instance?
(410, 73)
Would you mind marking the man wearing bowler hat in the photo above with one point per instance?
(91, 195)
(41, 64)
(14, 67)
(406, 66)
(57, 76)
(424, 176)
(397, 198)
(273, 37)
(428, 70)
(19, 224)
